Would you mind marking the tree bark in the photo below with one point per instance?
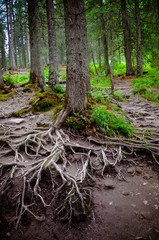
(94, 63)
(139, 44)
(85, 55)
(127, 39)
(36, 70)
(1, 77)
(76, 83)
(9, 5)
(111, 45)
(53, 62)
(2, 47)
(106, 58)
(22, 35)
(99, 53)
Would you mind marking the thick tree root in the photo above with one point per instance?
(53, 151)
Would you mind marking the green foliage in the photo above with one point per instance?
(145, 83)
(99, 81)
(46, 73)
(119, 69)
(18, 79)
(150, 80)
(98, 96)
(118, 95)
(148, 94)
(110, 123)
(59, 89)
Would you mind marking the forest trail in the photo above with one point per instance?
(125, 201)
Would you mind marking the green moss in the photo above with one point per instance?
(44, 105)
(75, 123)
(42, 125)
(19, 113)
(5, 94)
(30, 85)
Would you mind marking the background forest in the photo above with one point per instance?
(105, 33)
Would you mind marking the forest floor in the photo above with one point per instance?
(123, 209)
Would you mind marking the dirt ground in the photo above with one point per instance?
(123, 208)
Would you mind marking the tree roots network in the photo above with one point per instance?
(69, 164)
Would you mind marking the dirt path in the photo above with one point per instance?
(123, 209)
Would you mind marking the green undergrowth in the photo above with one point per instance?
(145, 85)
(18, 79)
(106, 118)
(148, 94)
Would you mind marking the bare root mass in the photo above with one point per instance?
(69, 166)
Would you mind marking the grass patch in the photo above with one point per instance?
(111, 124)
(118, 95)
(100, 81)
(144, 85)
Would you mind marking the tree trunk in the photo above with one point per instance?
(107, 71)
(27, 36)
(36, 70)
(76, 83)
(15, 41)
(1, 77)
(53, 62)
(22, 35)
(99, 53)
(85, 55)
(127, 39)
(111, 44)
(119, 56)
(10, 33)
(2, 47)
(94, 63)
(138, 33)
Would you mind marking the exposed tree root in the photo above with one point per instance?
(53, 151)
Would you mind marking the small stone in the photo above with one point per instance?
(109, 184)
(8, 234)
(131, 170)
(126, 193)
(139, 238)
(138, 170)
(145, 202)
(147, 177)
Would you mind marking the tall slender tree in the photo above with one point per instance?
(127, 39)
(53, 62)
(105, 43)
(2, 46)
(22, 33)
(9, 7)
(1, 77)
(138, 33)
(36, 70)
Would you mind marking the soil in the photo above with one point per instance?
(123, 208)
